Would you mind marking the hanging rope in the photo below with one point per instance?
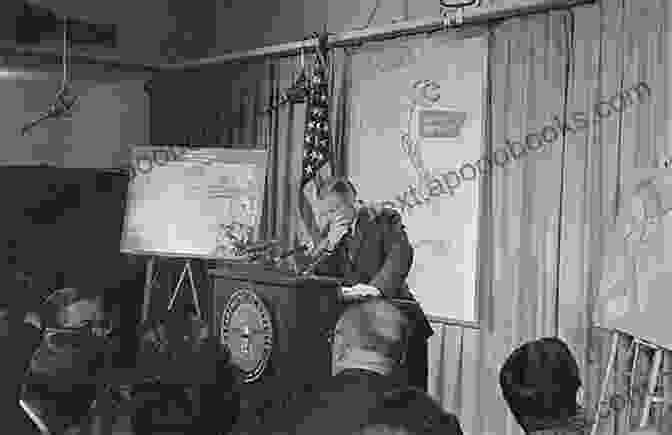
(65, 101)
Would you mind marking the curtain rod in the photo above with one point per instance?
(57, 55)
(354, 37)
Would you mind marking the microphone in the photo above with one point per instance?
(290, 252)
(262, 247)
(322, 255)
(324, 251)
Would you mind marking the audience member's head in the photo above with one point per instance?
(540, 381)
(369, 335)
(70, 307)
(410, 411)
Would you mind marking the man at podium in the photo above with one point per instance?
(369, 248)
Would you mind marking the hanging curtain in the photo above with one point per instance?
(340, 81)
(618, 44)
(556, 64)
(528, 76)
(285, 140)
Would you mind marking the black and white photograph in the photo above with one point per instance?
(335, 217)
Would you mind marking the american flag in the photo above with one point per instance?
(316, 155)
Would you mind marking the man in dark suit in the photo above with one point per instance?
(367, 344)
(410, 411)
(369, 247)
(18, 339)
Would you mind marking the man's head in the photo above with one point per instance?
(375, 328)
(71, 308)
(338, 198)
(540, 382)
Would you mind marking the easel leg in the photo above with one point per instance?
(605, 382)
(178, 286)
(194, 293)
(188, 273)
(149, 283)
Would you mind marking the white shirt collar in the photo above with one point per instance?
(367, 360)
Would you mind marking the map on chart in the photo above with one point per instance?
(635, 295)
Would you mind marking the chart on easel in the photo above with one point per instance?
(200, 203)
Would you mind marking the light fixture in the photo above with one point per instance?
(456, 4)
(13, 74)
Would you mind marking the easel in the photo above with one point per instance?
(186, 272)
(151, 277)
(655, 375)
(150, 280)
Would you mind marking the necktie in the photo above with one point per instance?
(348, 244)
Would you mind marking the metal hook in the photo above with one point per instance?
(451, 16)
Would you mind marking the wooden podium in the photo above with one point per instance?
(301, 312)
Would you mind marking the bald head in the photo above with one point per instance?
(374, 326)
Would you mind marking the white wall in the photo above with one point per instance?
(110, 116)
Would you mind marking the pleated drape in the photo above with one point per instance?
(557, 64)
(617, 44)
(286, 134)
(528, 68)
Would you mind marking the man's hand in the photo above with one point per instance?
(33, 319)
(338, 228)
(360, 290)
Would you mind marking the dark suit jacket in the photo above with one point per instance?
(353, 399)
(380, 255)
(18, 349)
(340, 406)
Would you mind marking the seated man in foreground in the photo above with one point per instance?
(194, 382)
(410, 411)
(367, 346)
(541, 384)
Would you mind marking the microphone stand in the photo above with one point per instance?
(321, 256)
(268, 258)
